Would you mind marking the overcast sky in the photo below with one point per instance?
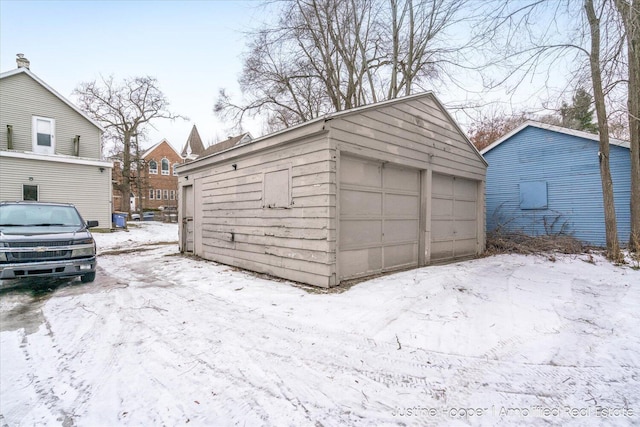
(193, 48)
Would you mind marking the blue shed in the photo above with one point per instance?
(545, 179)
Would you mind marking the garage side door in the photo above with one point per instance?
(379, 217)
(454, 222)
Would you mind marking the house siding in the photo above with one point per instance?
(21, 98)
(85, 186)
(416, 134)
(234, 228)
(569, 165)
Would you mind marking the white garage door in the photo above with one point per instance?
(379, 217)
(454, 222)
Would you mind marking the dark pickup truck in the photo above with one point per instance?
(45, 240)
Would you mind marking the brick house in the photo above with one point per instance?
(158, 181)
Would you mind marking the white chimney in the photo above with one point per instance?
(22, 61)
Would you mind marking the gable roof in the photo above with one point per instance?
(53, 91)
(194, 145)
(153, 147)
(232, 141)
(553, 128)
(309, 126)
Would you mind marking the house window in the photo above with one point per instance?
(158, 194)
(165, 166)
(153, 167)
(30, 192)
(44, 138)
(152, 194)
(175, 165)
(533, 195)
(172, 195)
(276, 189)
(166, 194)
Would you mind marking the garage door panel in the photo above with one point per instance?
(465, 210)
(359, 262)
(401, 205)
(466, 189)
(465, 229)
(466, 246)
(358, 232)
(441, 208)
(441, 229)
(401, 230)
(441, 250)
(454, 226)
(360, 203)
(442, 185)
(379, 217)
(399, 256)
(360, 172)
(401, 179)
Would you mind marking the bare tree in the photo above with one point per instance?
(124, 109)
(613, 245)
(332, 55)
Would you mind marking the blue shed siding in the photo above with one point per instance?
(569, 165)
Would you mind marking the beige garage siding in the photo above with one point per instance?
(379, 217)
(454, 223)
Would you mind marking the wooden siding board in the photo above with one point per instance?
(411, 137)
(569, 165)
(235, 225)
(401, 155)
(278, 271)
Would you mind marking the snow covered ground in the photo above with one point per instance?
(162, 339)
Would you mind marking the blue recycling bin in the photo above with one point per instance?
(119, 219)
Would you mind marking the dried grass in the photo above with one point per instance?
(520, 243)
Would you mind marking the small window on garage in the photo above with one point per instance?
(533, 195)
(30, 192)
(277, 189)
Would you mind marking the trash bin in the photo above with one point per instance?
(119, 219)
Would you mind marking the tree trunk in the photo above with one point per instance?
(613, 246)
(126, 173)
(630, 13)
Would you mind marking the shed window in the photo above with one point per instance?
(533, 195)
(277, 189)
(30, 192)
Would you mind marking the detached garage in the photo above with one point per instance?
(388, 186)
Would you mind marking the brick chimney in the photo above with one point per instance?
(22, 61)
